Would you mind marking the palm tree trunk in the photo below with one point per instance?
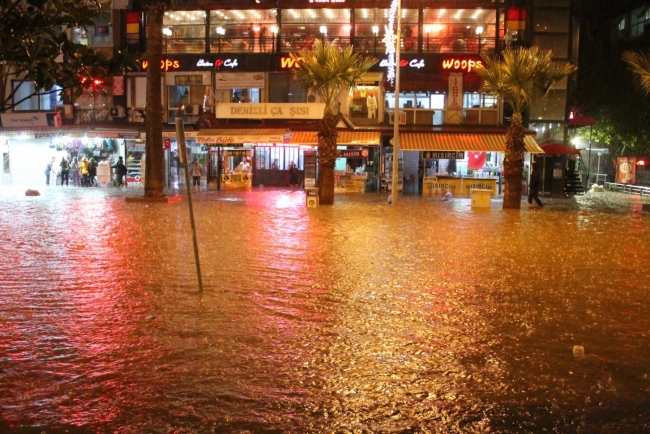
(514, 163)
(154, 180)
(327, 158)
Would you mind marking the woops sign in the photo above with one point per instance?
(461, 65)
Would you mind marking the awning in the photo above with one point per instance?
(238, 136)
(345, 138)
(461, 142)
(559, 148)
(581, 122)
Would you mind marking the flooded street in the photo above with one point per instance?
(424, 317)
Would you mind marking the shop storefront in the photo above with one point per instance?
(456, 163)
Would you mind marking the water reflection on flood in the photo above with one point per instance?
(428, 316)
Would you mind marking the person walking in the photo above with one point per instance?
(197, 170)
(92, 172)
(535, 181)
(48, 172)
(65, 171)
(293, 174)
(74, 168)
(84, 171)
(120, 172)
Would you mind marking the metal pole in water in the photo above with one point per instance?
(182, 156)
(396, 144)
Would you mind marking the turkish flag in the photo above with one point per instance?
(476, 160)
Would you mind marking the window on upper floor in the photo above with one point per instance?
(98, 35)
(639, 18)
(620, 28)
(27, 98)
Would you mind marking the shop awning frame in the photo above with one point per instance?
(345, 138)
(475, 142)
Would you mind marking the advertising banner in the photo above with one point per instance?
(626, 170)
(239, 80)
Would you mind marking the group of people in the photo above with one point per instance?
(83, 172)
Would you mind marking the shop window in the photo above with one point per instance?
(459, 30)
(301, 28)
(245, 95)
(184, 101)
(364, 100)
(26, 98)
(479, 100)
(98, 35)
(286, 88)
(185, 31)
(278, 157)
(243, 30)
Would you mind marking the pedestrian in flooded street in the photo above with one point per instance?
(535, 181)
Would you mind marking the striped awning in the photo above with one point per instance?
(238, 136)
(461, 142)
(345, 138)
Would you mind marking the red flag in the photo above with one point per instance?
(476, 160)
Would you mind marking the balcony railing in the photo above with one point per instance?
(364, 44)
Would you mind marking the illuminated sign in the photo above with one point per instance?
(443, 155)
(353, 153)
(227, 63)
(390, 39)
(165, 64)
(415, 63)
(465, 65)
(269, 111)
(288, 62)
(326, 1)
(238, 153)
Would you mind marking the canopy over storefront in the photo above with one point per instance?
(559, 148)
(345, 138)
(461, 142)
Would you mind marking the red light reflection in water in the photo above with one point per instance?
(72, 302)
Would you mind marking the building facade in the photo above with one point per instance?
(232, 60)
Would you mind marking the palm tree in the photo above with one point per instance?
(518, 77)
(328, 71)
(639, 64)
(154, 180)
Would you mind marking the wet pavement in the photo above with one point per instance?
(424, 317)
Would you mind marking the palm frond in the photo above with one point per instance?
(639, 64)
(329, 70)
(520, 75)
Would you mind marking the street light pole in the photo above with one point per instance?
(398, 44)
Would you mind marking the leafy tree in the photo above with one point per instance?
(329, 71)
(518, 77)
(154, 180)
(35, 47)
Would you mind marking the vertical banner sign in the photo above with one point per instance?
(626, 170)
(455, 91)
(118, 85)
(390, 39)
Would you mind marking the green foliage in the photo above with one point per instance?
(520, 75)
(609, 93)
(328, 70)
(36, 48)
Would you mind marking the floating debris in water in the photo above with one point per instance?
(578, 351)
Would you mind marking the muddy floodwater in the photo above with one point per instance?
(423, 317)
